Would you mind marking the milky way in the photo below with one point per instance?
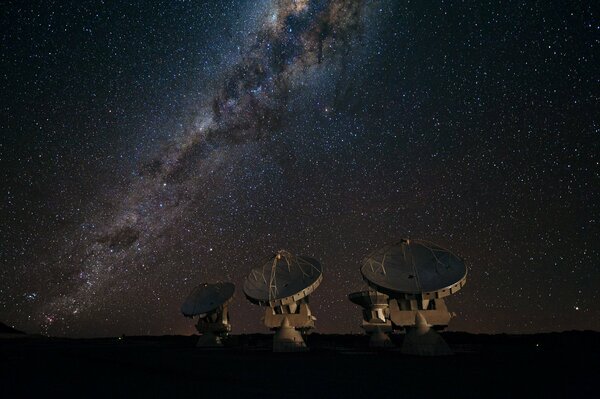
(243, 112)
(147, 148)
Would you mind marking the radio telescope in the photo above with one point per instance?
(376, 316)
(210, 303)
(282, 284)
(415, 276)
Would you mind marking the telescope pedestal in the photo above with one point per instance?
(376, 317)
(288, 321)
(422, 340)
(213, 327)
(403, 311)
(288, 339)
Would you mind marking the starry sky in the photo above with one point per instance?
(149, 146)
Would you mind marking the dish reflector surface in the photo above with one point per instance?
(414, 267)
(207, 297)
(283, 279)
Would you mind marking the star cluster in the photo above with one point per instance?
(148, 147)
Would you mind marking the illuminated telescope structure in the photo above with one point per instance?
(209, 302)
(408, 281)
(282, 284)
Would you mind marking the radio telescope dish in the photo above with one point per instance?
(412, 268)
(283, 284)
(283, 279)
(209, 302)
(207, 297)
(415, 276)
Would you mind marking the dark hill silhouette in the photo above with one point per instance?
(4, 329)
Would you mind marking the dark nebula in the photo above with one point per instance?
(149, 147)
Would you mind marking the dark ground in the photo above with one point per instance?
(485, 366)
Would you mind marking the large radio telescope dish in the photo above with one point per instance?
(283, 280)
(282, 284)
(414, 268)
(206, 298)
(410, 279)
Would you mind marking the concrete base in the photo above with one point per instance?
(288, 339)
(422, 340)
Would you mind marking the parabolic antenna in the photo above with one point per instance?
(205, 298)
(283, 284)
(283, 279)
(410, 278)
(209, 302)
(412, 268)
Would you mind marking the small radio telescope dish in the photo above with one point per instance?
(415, 275)
(283, 284)
(209, 302)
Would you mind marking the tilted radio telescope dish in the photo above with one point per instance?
(209, 302)
(283, 284)
(283, 279)
(414, 268)
(415, 275)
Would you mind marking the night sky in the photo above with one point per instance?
(149, 146)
